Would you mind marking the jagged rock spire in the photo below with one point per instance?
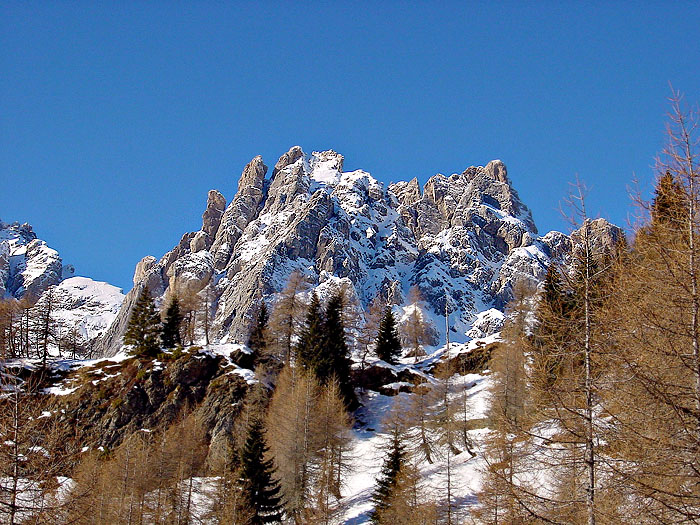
(240, 212)
(469, 232)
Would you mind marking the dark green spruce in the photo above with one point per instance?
(336, 348)
(144, 327)
(257, 341)
(309, 349)
(322, 347)
(259, 488)
(388, 346)
(171, 325)
(670, 204)
(389, 475)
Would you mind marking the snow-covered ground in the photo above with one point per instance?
(85, 305)
(368, 436)
(367, 452)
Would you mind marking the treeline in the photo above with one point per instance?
(596, 397)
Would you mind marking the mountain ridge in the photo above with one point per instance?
(466, 237)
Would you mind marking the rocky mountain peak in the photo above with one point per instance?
(496, 170)
(253, 175)
(143, 267)
(293, 155)
(465, 238)
(407, 193)
(31, 270)
(604, 235)
(211, 218)
(326, 166)
(27, 265)
(239, 213)
(24, 233)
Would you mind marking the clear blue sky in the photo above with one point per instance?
(115, 119)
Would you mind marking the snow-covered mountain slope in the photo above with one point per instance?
(151, 395)
(466, 238)
(88, 307)
(29, 268)
(368, 453)
(27, 265)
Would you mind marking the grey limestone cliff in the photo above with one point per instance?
(466, 238)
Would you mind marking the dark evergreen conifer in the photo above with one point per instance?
(171, 325)
(669, 206)
(388, 347)
(553, 290)
(309, 349)
(388, 477)
(337, 362)
(553, 310)
(322, 348)
(257, 341)
(260, 489)
(144, 327)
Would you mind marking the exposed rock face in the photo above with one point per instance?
(467, 235)
(27, 265)
(50, 270)
(192, 272)
(4, 267)
(143, 267)
(240, 212)
(111, 401)
(293, 155)
(211, 218)
(604, 236)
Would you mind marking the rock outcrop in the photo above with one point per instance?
(466, 238)
(106, 402)
(240, 212)
(27, 265)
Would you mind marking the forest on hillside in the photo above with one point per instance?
(594, 391)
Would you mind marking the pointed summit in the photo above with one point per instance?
(294, 154)
(243, 208)
(496, 170)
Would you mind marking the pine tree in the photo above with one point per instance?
(335, 347)
(170, 336)
(260, 489)
(143, 329)
(388, 345)
(388, 478)
(669, 206)
(309, 350)
(257, 341)
(553, 314)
